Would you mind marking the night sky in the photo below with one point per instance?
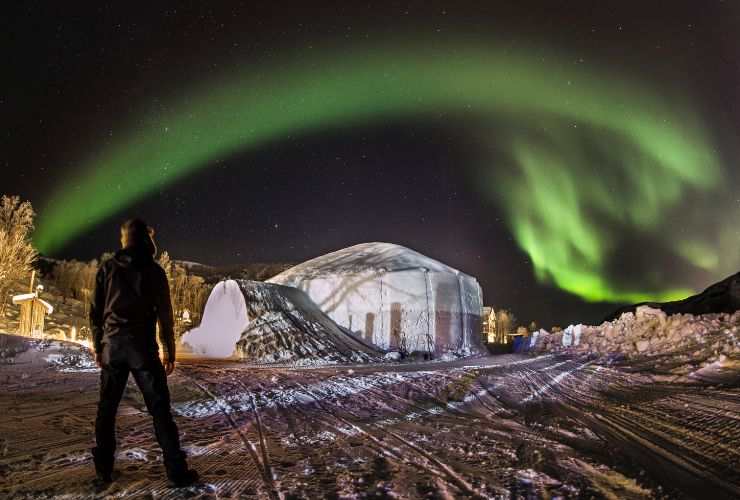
(570, 157)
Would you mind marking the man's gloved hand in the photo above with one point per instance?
(169, 367)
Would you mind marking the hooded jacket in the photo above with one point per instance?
(131, 294)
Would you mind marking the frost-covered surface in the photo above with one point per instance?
(277, 397)
(551, 426)
(680, 344)
(71, 358)
(38, 354)
(285, 326)
(224, 320)
(393, 296)
(62, 355)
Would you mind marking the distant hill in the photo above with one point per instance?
(722, 297)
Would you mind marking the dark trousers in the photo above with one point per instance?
(119, 358)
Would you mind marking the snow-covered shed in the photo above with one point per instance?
(33, 311)
(393, 297)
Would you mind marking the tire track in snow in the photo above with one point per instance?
(263, 467)
(443, 469)
(375, 445)
(636, 414)
(263, 444)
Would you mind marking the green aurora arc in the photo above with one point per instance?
(657, 149)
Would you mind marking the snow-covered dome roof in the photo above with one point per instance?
(362, 258)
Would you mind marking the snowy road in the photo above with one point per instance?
(504, 426)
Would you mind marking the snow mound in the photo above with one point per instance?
(392, 356)
(224, 320)
(32, 353)
(286, 326)
(268, 323)
(681, 342)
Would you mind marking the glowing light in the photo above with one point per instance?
(588, 152)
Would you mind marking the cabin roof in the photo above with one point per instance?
(25, 297)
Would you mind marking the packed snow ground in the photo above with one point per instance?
(507, 426)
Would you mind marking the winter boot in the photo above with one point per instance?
(103, 465)
(178, 472)
(185, 478)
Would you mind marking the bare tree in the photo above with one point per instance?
(75, 279)
(187, 292)
(199, 302)
(166, 263)
(17, 254)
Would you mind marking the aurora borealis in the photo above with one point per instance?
(562, 157)
(662, 148)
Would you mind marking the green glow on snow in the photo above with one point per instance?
(583, 146)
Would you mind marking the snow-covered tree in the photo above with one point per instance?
(165, 261)
(17, 254)
(75, 279)
(187, 291)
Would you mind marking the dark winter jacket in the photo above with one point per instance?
(131, 294)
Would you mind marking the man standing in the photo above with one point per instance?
(131, 295)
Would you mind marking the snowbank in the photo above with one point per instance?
(286, 326)
(32, 353)
(224, 320)
(268, 323)
(700, 340)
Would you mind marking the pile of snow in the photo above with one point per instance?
(392, 356)
(393, 297)
(703, 340)
(460, 353)
(68, 356)
(268, 323)
(224, 320)
(286, 326)
(62, 355)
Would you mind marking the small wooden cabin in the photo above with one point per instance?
(33, 311)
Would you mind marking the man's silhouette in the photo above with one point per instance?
(131, 294)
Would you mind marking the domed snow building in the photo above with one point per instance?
(393, 297)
